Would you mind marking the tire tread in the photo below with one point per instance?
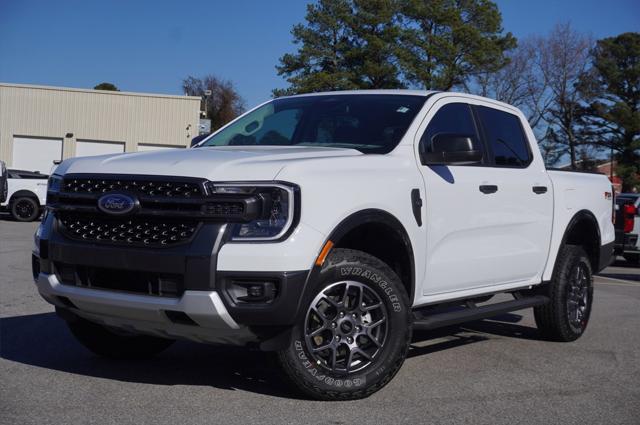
(549, 318)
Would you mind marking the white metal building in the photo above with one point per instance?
(40, 124)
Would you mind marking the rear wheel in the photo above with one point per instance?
(566, 316)
(110, 343)
(355, 332)
(24, 209)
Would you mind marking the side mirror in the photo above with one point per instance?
(450, 149)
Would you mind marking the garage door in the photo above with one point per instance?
(35, 154)
(95, 147)
(143, 147)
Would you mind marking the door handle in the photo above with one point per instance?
(488, 188)
(539, 190)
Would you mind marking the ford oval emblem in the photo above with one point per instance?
(117, 203)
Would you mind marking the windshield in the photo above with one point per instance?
(369, 123)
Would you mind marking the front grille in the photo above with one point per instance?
(146, 283)
(141, 231)
(140, 186)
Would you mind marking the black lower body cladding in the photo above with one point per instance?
(606, 255)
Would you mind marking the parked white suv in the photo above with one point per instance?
(326, 227)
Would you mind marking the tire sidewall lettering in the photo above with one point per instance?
(320, 376)
(373, 277)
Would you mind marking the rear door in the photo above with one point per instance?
(485, 224)
(525, 194)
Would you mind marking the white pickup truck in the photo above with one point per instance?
(22, 193)
(325, 227)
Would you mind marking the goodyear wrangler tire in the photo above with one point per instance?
(566, 316)
(107, 343)
(355, 332)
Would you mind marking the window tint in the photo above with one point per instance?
(452, 118)
(505, 136)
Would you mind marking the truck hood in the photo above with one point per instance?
(213, 163)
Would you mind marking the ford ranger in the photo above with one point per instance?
(325, 227)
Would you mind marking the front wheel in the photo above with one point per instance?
(355, 331)
(566, 316)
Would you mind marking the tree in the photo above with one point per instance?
(371, 44)
(445, 42)
(223, 105)
(519, 83)
(564, 58)
(345, 44)
(106, 86)
(374, 32)
(612, 89)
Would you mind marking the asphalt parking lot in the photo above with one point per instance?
(494, 371)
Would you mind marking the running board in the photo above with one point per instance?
(468, 314)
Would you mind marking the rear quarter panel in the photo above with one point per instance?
(574, 192)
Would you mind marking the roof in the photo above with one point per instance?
(103, 92)
(406, 92)
(378, 91)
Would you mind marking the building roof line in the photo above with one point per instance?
(92, 91)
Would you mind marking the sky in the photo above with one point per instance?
(150, 46)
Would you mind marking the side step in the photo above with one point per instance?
(426, 321)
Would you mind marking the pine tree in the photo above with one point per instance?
(612, 117)
(370, 44)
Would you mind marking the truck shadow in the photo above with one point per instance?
(622, 269)
(43, 340)
(5, 216)
(469, 333)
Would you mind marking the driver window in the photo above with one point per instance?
(454, 118)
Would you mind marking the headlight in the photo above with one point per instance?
(54, 185)
(264, 211)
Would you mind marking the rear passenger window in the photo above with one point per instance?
(453, 118)
(505, 137)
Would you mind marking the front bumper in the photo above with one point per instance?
(197, 315)
(205, 306)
